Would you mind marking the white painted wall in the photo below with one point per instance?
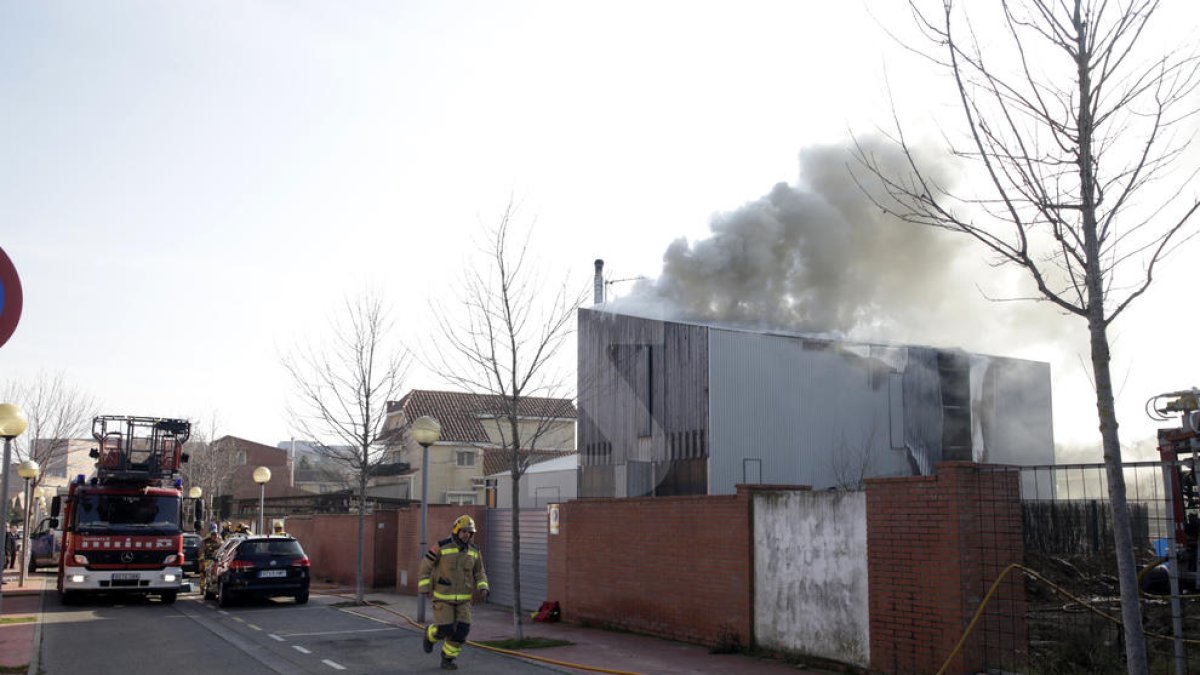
(810, 574)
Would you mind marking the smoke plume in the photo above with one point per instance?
(821, 257)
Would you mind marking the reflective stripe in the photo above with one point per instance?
(422, 583)
(449, 550)
(451, 651)
(482, 584)
(473, 554)
(451, 596)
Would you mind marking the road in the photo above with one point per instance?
(128, 634)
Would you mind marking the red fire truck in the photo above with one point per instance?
(121, 529)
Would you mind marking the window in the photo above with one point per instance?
(460, 498)
(465, 458)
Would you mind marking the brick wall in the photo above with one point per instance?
(675, 567)
(934, 546)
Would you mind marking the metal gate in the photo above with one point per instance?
(498, 557)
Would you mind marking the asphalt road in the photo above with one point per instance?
(127, 634)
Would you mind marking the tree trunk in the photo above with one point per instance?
(362, 517)
(518, 613)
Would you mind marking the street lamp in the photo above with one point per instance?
(12, 424)
(194, 494)
(28, 470)
(425, 431)
(262, 476)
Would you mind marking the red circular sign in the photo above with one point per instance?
(10, 298)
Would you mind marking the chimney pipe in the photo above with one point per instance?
(599, 287)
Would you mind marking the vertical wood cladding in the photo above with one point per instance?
(643, 405)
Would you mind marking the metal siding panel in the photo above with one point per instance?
(498, 558)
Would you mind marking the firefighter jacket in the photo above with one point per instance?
(452, 571)
(209, 547)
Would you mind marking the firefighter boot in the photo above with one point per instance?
(426, 640)
(448, 663)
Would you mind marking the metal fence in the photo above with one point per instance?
(1066, 615)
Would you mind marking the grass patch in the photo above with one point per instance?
(18, 619)
(528, 643)
(14, 669)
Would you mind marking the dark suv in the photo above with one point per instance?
(191, 553)
(259, 567)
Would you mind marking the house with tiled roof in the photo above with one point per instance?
(474, 440)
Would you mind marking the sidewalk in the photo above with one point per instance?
(597, 649)
(20, 602)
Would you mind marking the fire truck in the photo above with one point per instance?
(1179, 448)
(121, 529)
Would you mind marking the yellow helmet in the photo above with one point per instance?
(463, 523)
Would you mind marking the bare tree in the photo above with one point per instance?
(56, 412)
(209, 465)
(503, 347)
(1076, 136)
(342, 390)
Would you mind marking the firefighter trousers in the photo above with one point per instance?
(452, 623)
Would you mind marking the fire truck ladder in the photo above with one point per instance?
(138, 449)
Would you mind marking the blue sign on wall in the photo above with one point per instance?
(10, 298)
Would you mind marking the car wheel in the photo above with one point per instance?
(168, 597)
(224, 597)
(302, 598)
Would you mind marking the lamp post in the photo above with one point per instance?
(262, 476)
(28, 470)
(12, 424)
(194, 494)
(425, 431)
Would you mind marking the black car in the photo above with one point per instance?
(259, 566)
(191, 553)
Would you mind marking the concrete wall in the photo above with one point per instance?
(675, 567)
(810, 574)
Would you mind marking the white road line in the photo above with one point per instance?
(221, 611)
(340, 632)
(333, 665)
(275, 637)
(239, 619)
(253, 626)
(300, 649)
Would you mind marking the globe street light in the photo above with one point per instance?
(28, 470)
(425, 431)
(194, 494)
(262, 476)
(12, 424)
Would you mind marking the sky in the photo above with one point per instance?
(190, 190)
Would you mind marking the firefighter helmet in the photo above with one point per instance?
(463, 523)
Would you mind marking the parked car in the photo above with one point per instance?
(45, 545)
(191, 553)
(258, 566)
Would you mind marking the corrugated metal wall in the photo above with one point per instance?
(534, 528)
(810, 574)
(800, 411)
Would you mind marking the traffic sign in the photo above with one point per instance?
(10, 298)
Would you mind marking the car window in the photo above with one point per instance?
(276, 547)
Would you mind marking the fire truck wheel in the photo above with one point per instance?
(168, 598)
(68, 598)
(302, 598)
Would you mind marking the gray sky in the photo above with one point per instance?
(187, 189)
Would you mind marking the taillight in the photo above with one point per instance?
(241, 565)
(302, 561)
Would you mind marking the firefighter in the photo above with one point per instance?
(451, 572)
(279, 529)
(208, 549)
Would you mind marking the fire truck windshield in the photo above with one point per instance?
(128, 514)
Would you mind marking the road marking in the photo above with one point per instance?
(221, 611)
(239, 619)
(300, 649)
(276, 637)
(340, 632)
(253, 626)
(333, 665)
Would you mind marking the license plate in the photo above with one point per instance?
(272, 573)
(125, 576)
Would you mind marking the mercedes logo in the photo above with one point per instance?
(127, 557)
